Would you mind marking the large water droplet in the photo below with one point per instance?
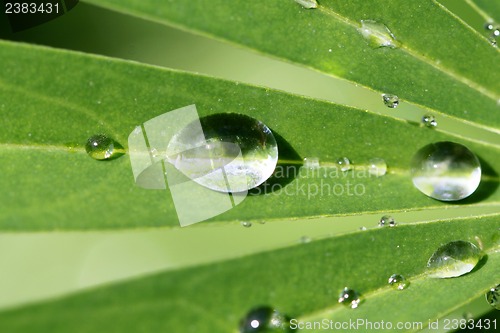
(446, 171)
(100, 147)
(391, 101)
(344, 164)
(377, 167)
(398, 281)
(387, 221)
(453, 259)
(234, 154)
(349, 297)
(264, 320)
(377, 34)
(308, 4)
(429, 121)
(493, 297)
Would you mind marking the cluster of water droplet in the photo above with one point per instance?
(494, 32)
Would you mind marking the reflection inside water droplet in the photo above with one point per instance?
(446, 171)
(264, 320)
(377, 34)
(453, 259)
(398, 281)
(100, 147)
(350, 298)
(391, 101)
(493, 297)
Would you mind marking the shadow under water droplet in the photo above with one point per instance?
(287, 169)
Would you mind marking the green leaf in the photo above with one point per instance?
(50, 182)
(489, 10)
(303, 281)
(427, 68)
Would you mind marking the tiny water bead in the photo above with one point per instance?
(246, 224)
(311, 162)
(429, 121)
(377, 34)
(344, 164)
(493, 297)
(387, 221)
(308, 4)
(446, 171)
(377, 167)
(495, 33)
(264, 319)
(350, 298)
(398, 282)
(453, 259)
(391, 101)
(488, 26)
(100, 147)
(231, 153)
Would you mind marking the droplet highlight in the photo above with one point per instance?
(429, 121)
(344, 164)
(233, 152)
(398, 281)
(391, 101)
(264, 320)
(377, 34)
(350, 298)
(387, 221)
(100, 147)
(493, 297)
(308, 4)
(453, 259)
(377, 167)
(446, 171)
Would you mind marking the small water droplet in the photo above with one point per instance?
(488, 26)
(100, 147)
(233, 154)
(311, 162)
(391, 101)
(495, 33)
(304, 239)
(246, 224)
(377, 167)
(308, 4)
(429, 121)
(453, 259)
(362, 228)
(387, 221)
(446, 171)
(377, 34)
(344, 163)
(264, 319)
(349, 297)
(493, 297)
(493, 42)
(398, 282)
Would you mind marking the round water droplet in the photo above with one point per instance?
(344, 164)
(391, 101)
(377, 167)
(446, 171)
(453, 259)
(495, 33)
(246, 224)
(488, 26)
(311, 162)
(377, 34)
(398, 282)
(234, 152)
(493, 297)
(387, 221)
(264, 320)
(429, 121)
(349, 297)
(100, 147)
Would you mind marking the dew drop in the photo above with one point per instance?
(311, 162)
(391, 101)
(377, 34)
(453, 259)
(429, 121)
(377, 167)
(349, 297)
(493, 297)
(308, 4)
(362, 228)
(488, 26)
(495, 33)
(100, 147)
(246, 224)
(233, 154)
(264, 319)
(344, 164)
(493, 42)
(398, 282)
(446, 171)
(387, 221)
(304, 239)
